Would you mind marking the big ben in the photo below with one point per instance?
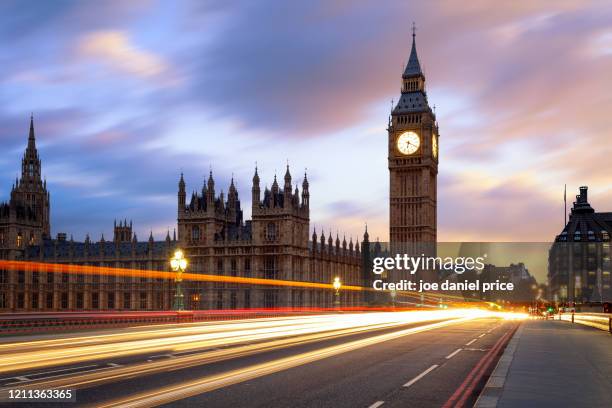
(413, 161)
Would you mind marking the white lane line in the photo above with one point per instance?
(22, 378)
(423, 374)
(52, 371)
(64, 375)
(482, 335)
(114, 365)
(376, 404)
(470, 342)
(453, 354)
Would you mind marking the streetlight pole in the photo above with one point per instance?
(178, 263)
(337, 285)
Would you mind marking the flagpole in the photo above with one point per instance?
(564, 205)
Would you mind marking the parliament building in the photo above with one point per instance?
(274, 244)
(217, 240)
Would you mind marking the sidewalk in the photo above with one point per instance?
(552, 364)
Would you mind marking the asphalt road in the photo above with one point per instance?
(387, 361)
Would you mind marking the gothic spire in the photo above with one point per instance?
(413, 68)
(31, 137)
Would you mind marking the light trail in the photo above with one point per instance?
(267, 335)
(191, 388)
(28, 266)
(30, 355)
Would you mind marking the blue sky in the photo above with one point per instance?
(126, 95)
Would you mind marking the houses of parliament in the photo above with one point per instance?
(217, 240)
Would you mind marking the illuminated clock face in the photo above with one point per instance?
(434, 146)
(408, 143)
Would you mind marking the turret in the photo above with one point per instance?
(255, 191)
(287, 187)
(305, 192)
(210, 191)
(181, 195)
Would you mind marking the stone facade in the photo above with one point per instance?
(211, 230)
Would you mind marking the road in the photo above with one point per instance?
(365, 360)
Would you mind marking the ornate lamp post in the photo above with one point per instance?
(178, 263)
(337, 285)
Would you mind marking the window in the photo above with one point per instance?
(219, 299)
(3, 276)
(111, 301)
(20, 301)
(49, 277)
(234, 267)
(126, 300)
(271, 232)
(64, 300)
(143, 300)
(233, 300)
(247, 299)
(2, 300)
(49, 301)
(79, 300)
(19, 240)
(195, 233)
(219, 266)
(64, 277)
(95, 300)
(36, 278)
(21, 277)
(35, 300)
(247, 266)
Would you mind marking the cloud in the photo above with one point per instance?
(114, 49)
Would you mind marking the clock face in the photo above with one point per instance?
(434, 146)
(408, 143)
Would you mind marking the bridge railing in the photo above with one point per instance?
(602, 321)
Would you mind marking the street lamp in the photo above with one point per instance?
(337, 285)
(178, 263)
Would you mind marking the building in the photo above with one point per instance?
(413, 161)
(579, 259)
(525, 285)
(24, 219)
(273, 245)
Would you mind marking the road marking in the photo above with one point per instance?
(52, 371)
(482, 335)
(22, 378)
(423, 374)
(453, 354)
(64, 375)
(470, 342)
(376, 404)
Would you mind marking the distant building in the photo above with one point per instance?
(517, 274)
(579, 260)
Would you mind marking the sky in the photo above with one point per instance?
(126, 95)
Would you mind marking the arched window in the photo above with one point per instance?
(271, 232)
(195, 233)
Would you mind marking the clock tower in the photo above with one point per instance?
(413, 162)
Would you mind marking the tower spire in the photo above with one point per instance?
(413, 68)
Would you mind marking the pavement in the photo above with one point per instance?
(552, 364)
